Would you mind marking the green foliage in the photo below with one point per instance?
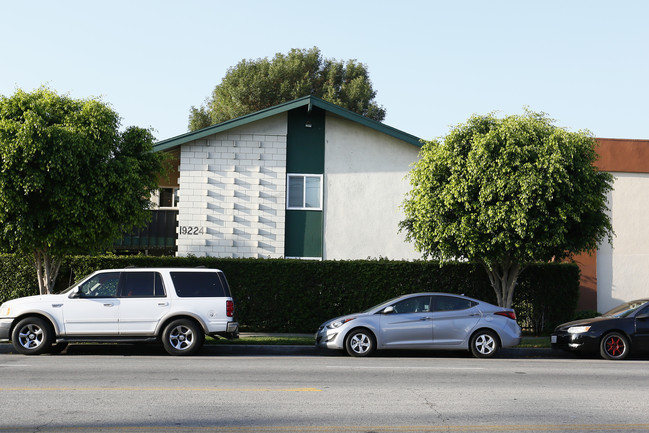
(297, 296)
(70, 181)
(253, 85)
(509, 191)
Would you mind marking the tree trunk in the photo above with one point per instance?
(503, 278)
(47, 269)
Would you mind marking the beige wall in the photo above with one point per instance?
(623, 268)
(364, 187)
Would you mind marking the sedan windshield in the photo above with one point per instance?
(626, 309)
(386, 303)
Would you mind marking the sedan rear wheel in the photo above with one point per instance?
(360, 342)
(484, 344)
(614, 346)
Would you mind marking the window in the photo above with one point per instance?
(199, 285)
(304, 191)
(451, 303)
(168, 197)
(102, 285)
(142, 285)
(419, 304)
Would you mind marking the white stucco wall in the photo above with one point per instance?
(623, 268)
(364, 187)
(232, 192)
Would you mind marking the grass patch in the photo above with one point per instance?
(264, 341)
(535, 342)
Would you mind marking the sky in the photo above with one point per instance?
(433, 64)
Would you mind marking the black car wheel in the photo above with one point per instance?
(484, 344)
(182, 337)
(32, 336)
(360, 342)
(614, 346)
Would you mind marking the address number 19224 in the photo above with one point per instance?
(191, 230)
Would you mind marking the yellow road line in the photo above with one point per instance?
(108, 388)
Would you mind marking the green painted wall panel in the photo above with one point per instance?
(305, 146)
(305, 155)
(305, 238)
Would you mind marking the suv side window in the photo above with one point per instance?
(141, 285)
(103, 285)
(198, 284)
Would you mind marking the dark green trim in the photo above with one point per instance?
(309, 101)
(305, 147)
(305, 237)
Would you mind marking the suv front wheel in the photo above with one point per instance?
(32, 336)
(182, 337)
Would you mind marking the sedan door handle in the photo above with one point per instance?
(109, 305)
(474, 315)
(163, 304)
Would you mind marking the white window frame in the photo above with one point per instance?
(175, 198)
(304, 176)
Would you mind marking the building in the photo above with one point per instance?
(308, 179)
(620, 271)
(305, 179)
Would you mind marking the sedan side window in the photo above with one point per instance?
(418, 304)
(102, 285)
(451, 303)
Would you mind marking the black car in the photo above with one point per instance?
(615, 333)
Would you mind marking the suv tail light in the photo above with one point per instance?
(509, 314)
(229, 308)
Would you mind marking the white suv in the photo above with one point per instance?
(177, 306)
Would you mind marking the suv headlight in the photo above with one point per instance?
(338, 323)
(578, 329)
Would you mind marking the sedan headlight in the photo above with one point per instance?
(4, 310)
(578, 329)
(338, 323)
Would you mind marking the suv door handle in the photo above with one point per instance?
(163, 304)
(109, 305)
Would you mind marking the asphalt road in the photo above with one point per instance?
(121, 389)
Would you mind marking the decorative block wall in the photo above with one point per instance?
(232, 195)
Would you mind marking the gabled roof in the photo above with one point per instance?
(310, 101)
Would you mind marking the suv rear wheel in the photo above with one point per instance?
(182, 337)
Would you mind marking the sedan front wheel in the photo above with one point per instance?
(360, 342)
(614, 346)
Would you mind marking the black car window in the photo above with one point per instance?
(198, 284)
(141, 285)
(103, 285)
(418, 304)
(451, 303)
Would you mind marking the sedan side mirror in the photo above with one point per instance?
(75, 293)
(642, 316)
(388, 310)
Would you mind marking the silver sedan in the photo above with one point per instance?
(423, 321)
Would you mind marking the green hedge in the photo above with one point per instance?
(296, 295)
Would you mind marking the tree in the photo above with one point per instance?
(70, 181)
(506, 192)
(253, 85)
